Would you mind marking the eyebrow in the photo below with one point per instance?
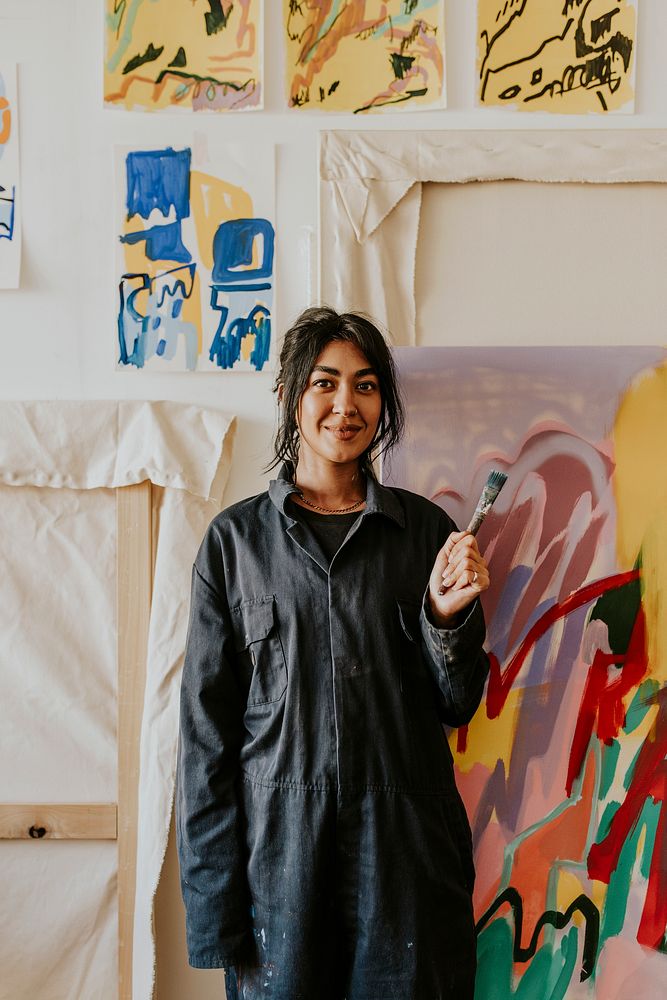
(334, 371)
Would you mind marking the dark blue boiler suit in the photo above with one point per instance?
(325, 853)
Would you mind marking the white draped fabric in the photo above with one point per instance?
(59, 465)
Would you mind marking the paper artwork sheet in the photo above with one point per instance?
(365, 55)
(195, 258)
(565, 56)
(195, 55)
(562, 769)
(10, 228)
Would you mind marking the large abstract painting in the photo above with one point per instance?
(365, 55)
(200, 55)
(566, 56)
(563, 768)
(10, 229)
(195, 259)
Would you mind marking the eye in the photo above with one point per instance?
(367, 386)
(322, 383)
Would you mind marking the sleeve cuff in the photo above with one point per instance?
(463, 618)
(457, 643)
(221, 957)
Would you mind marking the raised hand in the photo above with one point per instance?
(459, 574)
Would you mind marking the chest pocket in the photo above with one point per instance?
(408, 615)
(257, 642)
(415, 678)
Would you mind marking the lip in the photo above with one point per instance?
(344, 432)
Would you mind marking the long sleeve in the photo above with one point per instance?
(209, 834)
(457, 661)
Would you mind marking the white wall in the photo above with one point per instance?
(57, 332)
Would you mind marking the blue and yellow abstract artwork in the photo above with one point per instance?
(195, 259)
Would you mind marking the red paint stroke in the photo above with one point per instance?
(646, 780)
(649, 779)
(602, 699)
(654, 916)
(462, 739)
(500, 681)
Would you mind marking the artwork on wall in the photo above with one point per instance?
(10, 228)
(563, 767)
(566, 56)
(204, 56)
(196, 258)
(347, 55)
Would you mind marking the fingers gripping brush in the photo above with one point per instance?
(494, 485)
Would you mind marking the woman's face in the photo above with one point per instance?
(340, 407)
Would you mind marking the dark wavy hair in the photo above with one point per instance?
(302, 345)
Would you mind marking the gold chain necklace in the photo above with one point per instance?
(332, 510)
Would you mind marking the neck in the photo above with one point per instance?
(328, 484)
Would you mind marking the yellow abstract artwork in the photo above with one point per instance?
(200, 55)
(365, 55)
(565, 56)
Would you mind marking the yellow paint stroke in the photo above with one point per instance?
(247, 346)
(567, 57)
(136, 262)
(220, 71)
(214, 201)
(568, 889)
(490, 740)
(5, 121)
(640, 486)
(359, 55)
(598, 893)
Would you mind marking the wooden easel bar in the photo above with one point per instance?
(134, 589)
(57, 821)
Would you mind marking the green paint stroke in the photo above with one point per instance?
(558, 810)
(618, 609)
(116, 16)
(494, 962)
(150, 55)
(610, 754)
(616, 901)
(216, 19)
(643, 700)
(126, 37)
(547, 977)
(180, 59)
(605, 822)
(629, 774)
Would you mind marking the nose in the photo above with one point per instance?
(344, 401)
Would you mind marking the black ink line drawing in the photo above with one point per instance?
(585, 52)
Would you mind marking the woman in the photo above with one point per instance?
(325, 853)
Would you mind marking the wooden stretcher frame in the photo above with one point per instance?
(118, 820)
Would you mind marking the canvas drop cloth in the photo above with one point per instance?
(371, 198)
(59, 465)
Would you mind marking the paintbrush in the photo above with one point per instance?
(494, 485)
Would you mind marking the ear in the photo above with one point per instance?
(281, 392)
